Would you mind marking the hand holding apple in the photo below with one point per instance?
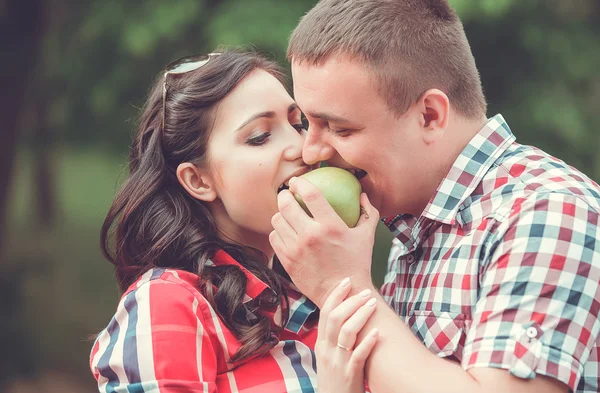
(321, 251)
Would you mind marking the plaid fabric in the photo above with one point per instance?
(502, 269)
(165, 337)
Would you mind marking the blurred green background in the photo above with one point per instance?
(75, 74)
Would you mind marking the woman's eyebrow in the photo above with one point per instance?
(292, 107)
(266, 114)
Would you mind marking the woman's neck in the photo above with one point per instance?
(230, 232)
(257, 241)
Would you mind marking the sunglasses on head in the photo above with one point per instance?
(178, 67)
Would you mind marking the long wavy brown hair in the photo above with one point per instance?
(154, 222)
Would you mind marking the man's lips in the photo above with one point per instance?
(358, 173)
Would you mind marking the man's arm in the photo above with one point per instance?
(401, 363)
(318, 253)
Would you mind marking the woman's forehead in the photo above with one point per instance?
(258, 92)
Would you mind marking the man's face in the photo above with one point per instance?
(351, 126)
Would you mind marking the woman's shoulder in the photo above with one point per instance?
(160, 299)
(164, 291)
(161, 325)
(174, 279)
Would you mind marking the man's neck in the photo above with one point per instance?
(455, 139)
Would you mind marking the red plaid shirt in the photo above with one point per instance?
(502, 269)
(165, 337)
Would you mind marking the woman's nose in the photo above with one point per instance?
(293, 151)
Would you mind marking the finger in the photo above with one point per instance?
(334, 299)
(279, 248)
(355, 323)
(363, 350)
(338, 316)
(313, 198)
(368, 215)
(295, 216)
(284, 229)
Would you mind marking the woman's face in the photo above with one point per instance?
(255, 146)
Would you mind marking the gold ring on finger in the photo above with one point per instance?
(343, 347)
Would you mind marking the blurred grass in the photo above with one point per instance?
(69, 292)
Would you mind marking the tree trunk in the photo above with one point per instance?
(43, 170)
(22, 37)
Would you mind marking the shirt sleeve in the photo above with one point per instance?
(156, 342)
(537, 310)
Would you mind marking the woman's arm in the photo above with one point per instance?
(156, 342)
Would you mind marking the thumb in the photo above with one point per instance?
(369, 216)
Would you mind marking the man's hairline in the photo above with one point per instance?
(347, 55)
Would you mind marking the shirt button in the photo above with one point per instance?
(410, 258)
(531, 332)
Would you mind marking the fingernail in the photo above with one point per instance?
(363, 211)
(293, 179)
(345, 282)
(365, 293)
(371, 302)
(374, 332)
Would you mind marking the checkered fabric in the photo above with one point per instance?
(165, 337)
(502, 269)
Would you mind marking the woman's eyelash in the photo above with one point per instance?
(299, 127)
(259, 139)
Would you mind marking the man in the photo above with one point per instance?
(496, 263)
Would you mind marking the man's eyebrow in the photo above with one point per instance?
(267, 114)
(327, 117)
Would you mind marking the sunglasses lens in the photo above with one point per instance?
(187, 66)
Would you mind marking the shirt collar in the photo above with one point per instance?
(254, 286)
(300, 307)
(469, 169)
(464, 176)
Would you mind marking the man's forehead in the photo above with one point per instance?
(332, 84)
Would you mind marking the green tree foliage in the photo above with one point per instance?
(538, 61)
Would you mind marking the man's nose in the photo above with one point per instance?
(316, 149)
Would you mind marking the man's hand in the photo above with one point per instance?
(319, 252)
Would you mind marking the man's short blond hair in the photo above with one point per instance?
(410, 46)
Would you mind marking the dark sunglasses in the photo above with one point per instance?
(178, 67)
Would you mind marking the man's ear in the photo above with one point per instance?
(434, 106)
(197, 182)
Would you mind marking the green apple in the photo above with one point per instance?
(340, 188)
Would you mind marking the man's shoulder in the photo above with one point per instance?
(522, 177)
(525, 172)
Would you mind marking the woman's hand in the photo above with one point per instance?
(340, 359)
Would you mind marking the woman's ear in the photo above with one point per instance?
(197, 182)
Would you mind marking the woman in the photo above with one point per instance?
(205, 306)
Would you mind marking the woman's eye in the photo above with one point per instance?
(258, 139)
(299, 127)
